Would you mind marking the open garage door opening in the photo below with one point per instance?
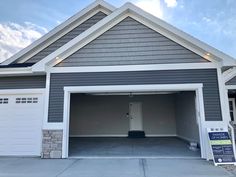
(134, 124)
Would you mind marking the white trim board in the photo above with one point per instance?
(223, 97)
(130, 10)
(49, 38)
(133, 67)
(230, 87)
(147, 67)
(8, 71)
(132, 88)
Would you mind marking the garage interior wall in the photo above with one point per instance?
(106, 115)
(186, 123)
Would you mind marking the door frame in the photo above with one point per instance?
(234, 109)
(197, 87)
(227, 88)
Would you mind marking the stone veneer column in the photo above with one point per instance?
(52, 144)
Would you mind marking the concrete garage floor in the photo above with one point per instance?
(127, 147)
(35, 167)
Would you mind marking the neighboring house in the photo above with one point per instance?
(230, 82)
(120, 55)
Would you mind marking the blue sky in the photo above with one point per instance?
(23, 21)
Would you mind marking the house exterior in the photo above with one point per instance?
(108, 52)
(230, 84)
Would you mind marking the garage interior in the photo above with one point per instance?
(103, 125)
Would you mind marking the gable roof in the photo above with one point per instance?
(130, 10)
(57, 32)
(128, 43)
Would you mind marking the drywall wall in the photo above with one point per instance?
(106, 115)
(186, 123)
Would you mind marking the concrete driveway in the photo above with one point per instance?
(35, 167)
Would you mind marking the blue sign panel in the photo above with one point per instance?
(222, 147)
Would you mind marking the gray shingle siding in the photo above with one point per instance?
(22, 82)
(231, 81)
(206, 76)
(131, 42)
(67, 37)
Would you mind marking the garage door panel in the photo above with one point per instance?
(21, 124)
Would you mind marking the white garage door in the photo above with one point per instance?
(21, 118)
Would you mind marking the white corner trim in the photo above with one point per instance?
(132, 88)
(84, 14)
(46, 102)
(224, 104)
(199, 104)
(132, 67)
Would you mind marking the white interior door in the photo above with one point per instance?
(135, 116)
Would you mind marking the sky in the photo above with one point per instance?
(211, 21)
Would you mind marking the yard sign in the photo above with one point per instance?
(221, 146)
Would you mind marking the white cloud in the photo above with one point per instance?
(171, 3)
(206, 19)
(151, 6)
(14, 37)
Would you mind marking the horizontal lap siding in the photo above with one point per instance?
(206, 76)
(22, 82)
(130, 42)
(67, 37)
(231, 82)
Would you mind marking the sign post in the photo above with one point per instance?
(221, 147)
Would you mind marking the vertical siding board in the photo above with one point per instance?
(130, 42)
(67, 37)
(206, 76)
(22, 82)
